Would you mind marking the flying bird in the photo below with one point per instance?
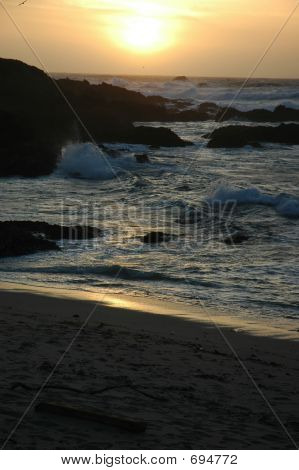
(22, 3)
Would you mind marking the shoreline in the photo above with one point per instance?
(134, 306)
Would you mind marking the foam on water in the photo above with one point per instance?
(284, 204)
(89, 162)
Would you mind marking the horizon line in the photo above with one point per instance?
(219, 77)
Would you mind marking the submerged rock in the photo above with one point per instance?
(236, 238)
(184, 187)
(156, 238)
(142, 158)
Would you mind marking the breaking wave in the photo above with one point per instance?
(89, 162)
(285, 205)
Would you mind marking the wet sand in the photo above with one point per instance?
(196, 384)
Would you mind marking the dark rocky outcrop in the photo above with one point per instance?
(33, 120)
(21, 152)
(36, 120)
(54, 231)
(109, 113)
(210, 111)
(27, 237)
(239, 136)
(279, 114)
(14, 241)
(154, 238)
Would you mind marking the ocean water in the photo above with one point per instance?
(196, 194)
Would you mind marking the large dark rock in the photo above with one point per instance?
(239, 136)
(26, 237)
(109, 113)
(118, 103)
(54, 231)
(157, 136)
(36, 118)
(14, 241)
(280, 114)
(21, 152)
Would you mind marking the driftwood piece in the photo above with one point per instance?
(72, 411)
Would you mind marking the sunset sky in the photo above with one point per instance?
(165, 37)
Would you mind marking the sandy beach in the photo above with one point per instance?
(193, 384)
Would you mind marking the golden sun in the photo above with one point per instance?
(143, 34)
(143, 28)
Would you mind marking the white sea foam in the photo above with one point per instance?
(284, 204)
(90, 162)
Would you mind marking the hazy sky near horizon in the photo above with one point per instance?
(144, 37)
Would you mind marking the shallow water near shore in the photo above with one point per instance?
(257, 279)
(149, 313)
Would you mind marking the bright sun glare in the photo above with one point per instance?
(143, 34)
(144, 28)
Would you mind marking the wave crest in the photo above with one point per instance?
(90, 162)
(285, 205)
